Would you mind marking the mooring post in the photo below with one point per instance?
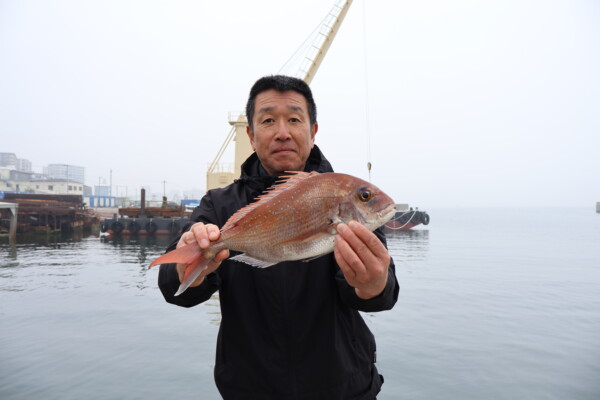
(12, 231)
(143, 202)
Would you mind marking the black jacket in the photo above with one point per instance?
(290, 331)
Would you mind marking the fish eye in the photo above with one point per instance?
(364, 194)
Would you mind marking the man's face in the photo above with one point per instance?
(283, 135)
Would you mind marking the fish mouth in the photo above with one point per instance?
(381, 217)
(387, 213)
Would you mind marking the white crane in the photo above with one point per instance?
(318, 44)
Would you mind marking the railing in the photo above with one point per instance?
(221, 167)
(234, 116)
(213, 165)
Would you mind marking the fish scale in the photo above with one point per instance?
(296, 219)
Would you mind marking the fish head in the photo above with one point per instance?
(367, 204)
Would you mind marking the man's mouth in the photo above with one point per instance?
(283, 150)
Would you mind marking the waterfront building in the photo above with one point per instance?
(23, 182)
(52, 186)
(100, 201)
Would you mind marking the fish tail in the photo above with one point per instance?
(192, 272)
(190, 254)
(196, 259)
(184, 255)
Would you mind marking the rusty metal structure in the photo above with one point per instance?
(47, 213)
(143, 220)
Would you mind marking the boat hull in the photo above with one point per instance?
(126, 226)
(405, 220)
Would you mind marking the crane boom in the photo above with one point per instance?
(323, 41)
(325, 33)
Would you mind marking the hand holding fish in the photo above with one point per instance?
(201, 235)
(363, 259)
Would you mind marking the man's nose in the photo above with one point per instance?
(283, 131)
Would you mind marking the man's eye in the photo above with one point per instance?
(268, 121)
(294, 120)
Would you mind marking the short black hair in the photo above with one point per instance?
(281, 83)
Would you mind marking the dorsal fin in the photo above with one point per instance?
(287, 181)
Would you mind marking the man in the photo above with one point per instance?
(290, 331)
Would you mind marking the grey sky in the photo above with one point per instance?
(463, 103)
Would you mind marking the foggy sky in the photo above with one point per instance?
(460, 103)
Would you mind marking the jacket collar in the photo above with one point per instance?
(257, 178)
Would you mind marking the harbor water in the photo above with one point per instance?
(494, 304)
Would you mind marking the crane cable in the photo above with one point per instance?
(367, 122)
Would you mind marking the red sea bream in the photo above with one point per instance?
(295, 219)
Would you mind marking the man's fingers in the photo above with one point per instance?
(213, 232)
(185, 239)
(347, 253)
(212, 266)
(355, 272)
(219, 258)
(348, 272)
(362, 258)
(355, 251)
(369, 239)
(222, 255)
(201, 234)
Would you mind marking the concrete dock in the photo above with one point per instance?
(14, 208)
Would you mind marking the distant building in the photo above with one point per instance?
(8, 160)
(4, 174)
(100, 201)
(56, 186)
(24, 165)
(16, 175)
(100, 190)
(66, 172)
(21, 182)
(15, 181)
(20, 176)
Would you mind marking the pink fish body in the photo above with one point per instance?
(295, 219)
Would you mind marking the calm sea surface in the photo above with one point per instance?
(494, 304)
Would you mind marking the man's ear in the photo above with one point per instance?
(313, 133)
(251, 137)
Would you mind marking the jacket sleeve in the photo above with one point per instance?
(168, 280)
(387, 298)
